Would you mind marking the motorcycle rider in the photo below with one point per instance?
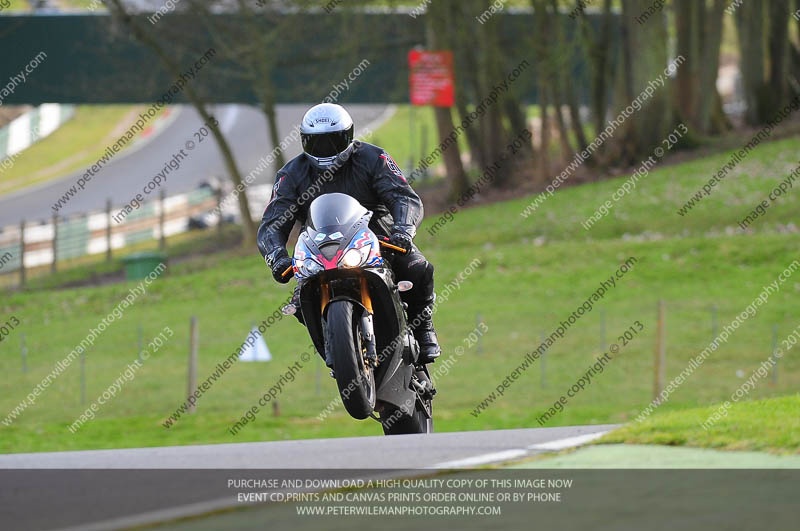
(333, 162)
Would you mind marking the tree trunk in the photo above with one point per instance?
(575, 120)
(778, 56)
(490, 71)
(750, 26)
(794, 52)
(517, 117)
(452, 155)
(699, 36)
(644, 48)
(687, 78)
(541, 49)
(544, 135)
(708, 95)
(462, 43)
(597, 51)
(563, 134)
(437, 23)
(719, 120)
(564, 91)
(475, 147)
(268, 107)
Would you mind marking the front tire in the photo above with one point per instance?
(356, 380)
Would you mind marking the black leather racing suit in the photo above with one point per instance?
(371, 177)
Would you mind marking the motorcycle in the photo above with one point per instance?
(351, 306)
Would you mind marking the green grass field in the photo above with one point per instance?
(534, 272)
(771, 425)
(17, 5)
(396, 135)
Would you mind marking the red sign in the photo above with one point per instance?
(431, 78)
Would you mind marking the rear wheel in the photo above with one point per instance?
(355, 379)
(395, 422)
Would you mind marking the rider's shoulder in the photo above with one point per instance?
(296, 167)
(369, 151)
(370, 155)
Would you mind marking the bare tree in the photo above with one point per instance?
(438, 24)
(252, 42)
(750, 26)
(598, 47)
(139, 32)
(467, 86)
(699, 36)
(644, 59)
(778, 47)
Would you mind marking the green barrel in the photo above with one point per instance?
(139, 265)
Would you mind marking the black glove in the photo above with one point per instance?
(279, 261)
(402, 240)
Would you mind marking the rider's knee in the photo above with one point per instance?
(419, 269)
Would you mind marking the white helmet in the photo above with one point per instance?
(327, 133)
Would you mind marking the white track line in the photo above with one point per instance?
(483, 459)
(508, 455)
(569, 442)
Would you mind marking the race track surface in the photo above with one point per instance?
(126, 174)
(110, 489)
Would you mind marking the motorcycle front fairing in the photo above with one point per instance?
(337, 256)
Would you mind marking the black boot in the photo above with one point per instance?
(420, 320)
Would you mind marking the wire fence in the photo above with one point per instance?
(686, 330)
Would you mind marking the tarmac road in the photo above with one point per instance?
(125, 175)
(110, 489)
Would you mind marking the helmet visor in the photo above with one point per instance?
(327, 144)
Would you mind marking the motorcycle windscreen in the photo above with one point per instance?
(334, 210)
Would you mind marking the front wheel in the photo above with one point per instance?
(355, 379)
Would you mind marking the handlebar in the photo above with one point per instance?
(393, 247)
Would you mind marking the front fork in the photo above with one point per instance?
(368, 338)
(367, 327)
(366, 300)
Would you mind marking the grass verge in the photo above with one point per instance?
(770, 425)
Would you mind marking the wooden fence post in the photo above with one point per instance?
(219, 212)
(24, 353)
(774, 351)
(83, 377)
(660, 361)
(108, 230)
(22, 253)
(602, 331)
(162, 244)
(543, 362)
(55, 243)
(140, 342)
(191, 383)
